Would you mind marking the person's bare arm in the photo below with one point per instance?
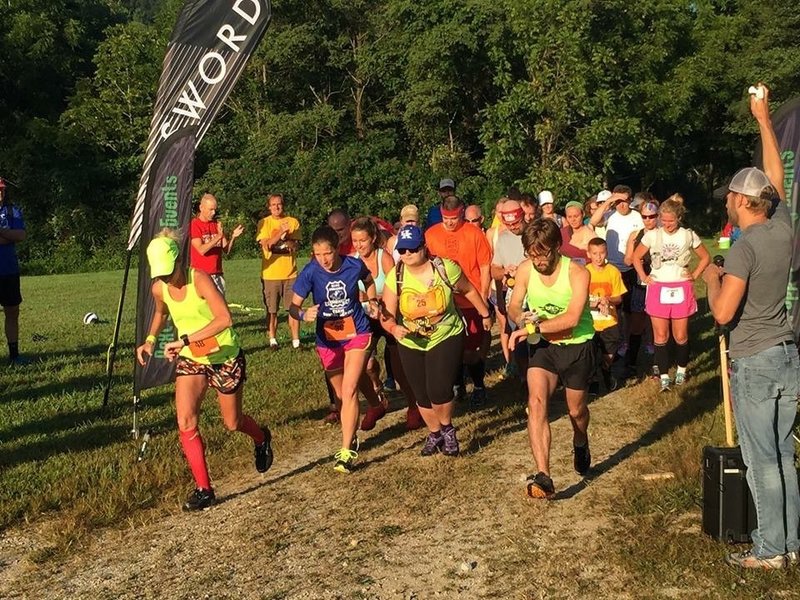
(725, 294)
(770, 151)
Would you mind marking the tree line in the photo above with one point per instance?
(364, 104)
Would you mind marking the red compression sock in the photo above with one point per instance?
(195, 454)
(248, 425)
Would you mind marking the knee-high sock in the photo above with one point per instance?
(195, 454)
(250, 427)
(477, 370)
(662, 358)
(682, 354)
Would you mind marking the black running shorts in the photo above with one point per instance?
(10, 294)
(573, 363)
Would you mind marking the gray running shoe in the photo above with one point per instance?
(450, 446)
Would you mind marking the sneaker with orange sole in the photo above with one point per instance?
(540, 486)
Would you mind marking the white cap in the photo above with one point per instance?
(545, 197)
(749, 181)
(602, 196)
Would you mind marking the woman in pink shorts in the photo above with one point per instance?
(670, 299)
(343, 329)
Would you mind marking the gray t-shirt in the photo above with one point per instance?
(762, 257)
(508, 249)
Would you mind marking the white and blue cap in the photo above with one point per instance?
(409, 238)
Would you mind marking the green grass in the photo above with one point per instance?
(60, 452)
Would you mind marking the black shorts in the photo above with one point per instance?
(226, 378)
(432, 372)
(608, 340)
(629, 278)
(573, 363)
(10, 294)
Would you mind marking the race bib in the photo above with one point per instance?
(204, 347)
(429, 304)
(339, 330)
(672, 295)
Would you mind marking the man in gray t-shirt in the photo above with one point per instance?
(749, 295)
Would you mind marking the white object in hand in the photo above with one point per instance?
(758, 92)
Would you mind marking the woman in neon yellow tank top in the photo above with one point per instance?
(556, 291)
(207, 352)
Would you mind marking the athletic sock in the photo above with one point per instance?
(195, 454)
(295, 343)
(13, 350)
(662, 359)
(447, 427)
(273, 341)
(682, 355)
(250, 427)
(634, 343)
(477, 371)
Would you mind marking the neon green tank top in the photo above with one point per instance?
(549, 302)
(192, 314)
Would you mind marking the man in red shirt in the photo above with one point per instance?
(208, 241)
(468, 247)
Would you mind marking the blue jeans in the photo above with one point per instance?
(765, 387)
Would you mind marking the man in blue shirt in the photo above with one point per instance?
(447, 188)
(12, 231)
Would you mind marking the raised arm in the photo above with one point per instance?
(770, 151)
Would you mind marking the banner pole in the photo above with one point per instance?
(112, 349)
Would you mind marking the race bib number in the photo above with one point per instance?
(672, 295)
(204, 347)
(339, 330)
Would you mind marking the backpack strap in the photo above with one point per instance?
(398, 274)
(438, 264)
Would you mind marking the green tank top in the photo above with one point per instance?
(192, 314)
(549, 302)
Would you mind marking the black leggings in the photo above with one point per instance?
(431, 372)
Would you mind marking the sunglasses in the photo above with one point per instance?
(478, 220)
(649, 216)
(409, 250)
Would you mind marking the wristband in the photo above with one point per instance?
(150, 339)
(530, 328)
(301, 315)
(185, 339)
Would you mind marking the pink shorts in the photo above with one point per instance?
(332, 358)
(670, 300)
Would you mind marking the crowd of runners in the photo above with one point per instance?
(573, 296)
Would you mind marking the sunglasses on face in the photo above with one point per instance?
(409, 250)
(649, 216)
(478, 220)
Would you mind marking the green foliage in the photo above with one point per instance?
(365, 104)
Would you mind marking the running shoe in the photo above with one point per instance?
(680, 378)
(374, 413)
(433, 444)
(609, 381)
(414, 418)
(390, 384)
(478, 397)
(792, 558)
(199, 499)
(273, 344)
(581, 459)
(665, 384)
(748, 560)
(264, 456)
(540, 486)
(332, 417)
(18, 361)
(655, 372)
(450, 442)
(345, 461)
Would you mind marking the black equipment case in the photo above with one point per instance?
(728, 511)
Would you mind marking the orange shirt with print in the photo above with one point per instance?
(467, 246)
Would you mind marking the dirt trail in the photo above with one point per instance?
(402, 526)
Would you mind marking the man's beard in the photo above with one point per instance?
(549, 268)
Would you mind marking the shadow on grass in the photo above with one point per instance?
(696, 401)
